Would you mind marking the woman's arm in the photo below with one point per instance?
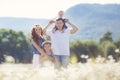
(51, 58)
(37, 47)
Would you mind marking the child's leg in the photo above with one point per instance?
(65, 26)
(63, 30)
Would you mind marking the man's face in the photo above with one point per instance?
(59, 24)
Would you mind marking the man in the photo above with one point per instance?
(60, 41)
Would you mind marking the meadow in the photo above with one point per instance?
(97, 69)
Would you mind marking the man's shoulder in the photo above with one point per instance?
(68, 29)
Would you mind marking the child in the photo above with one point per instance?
(61, 15)
(47, 49)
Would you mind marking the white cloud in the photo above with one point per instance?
(40, 8)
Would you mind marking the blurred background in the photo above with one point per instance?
(97, 20)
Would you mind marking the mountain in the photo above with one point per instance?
(93, 20)
(20, 24)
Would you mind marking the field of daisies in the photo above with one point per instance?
(98, 69)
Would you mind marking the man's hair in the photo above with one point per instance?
(60, 19)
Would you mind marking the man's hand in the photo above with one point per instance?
(74, 28)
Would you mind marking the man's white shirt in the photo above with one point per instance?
(60, 41)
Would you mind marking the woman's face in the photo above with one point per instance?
(38, 30)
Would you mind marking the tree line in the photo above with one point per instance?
(15, 44)
(105, 47)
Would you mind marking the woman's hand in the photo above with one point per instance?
(49, 23)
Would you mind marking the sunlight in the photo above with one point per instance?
(34, 8)
(40, 8)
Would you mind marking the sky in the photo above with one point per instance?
(41, 8)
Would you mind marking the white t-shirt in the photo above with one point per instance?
(60, 42)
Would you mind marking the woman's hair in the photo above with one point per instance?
(34, 36)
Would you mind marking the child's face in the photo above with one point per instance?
(47, 47)
(61, 14)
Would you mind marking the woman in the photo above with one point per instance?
(36, 37)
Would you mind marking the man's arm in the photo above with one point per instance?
(74, 28)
